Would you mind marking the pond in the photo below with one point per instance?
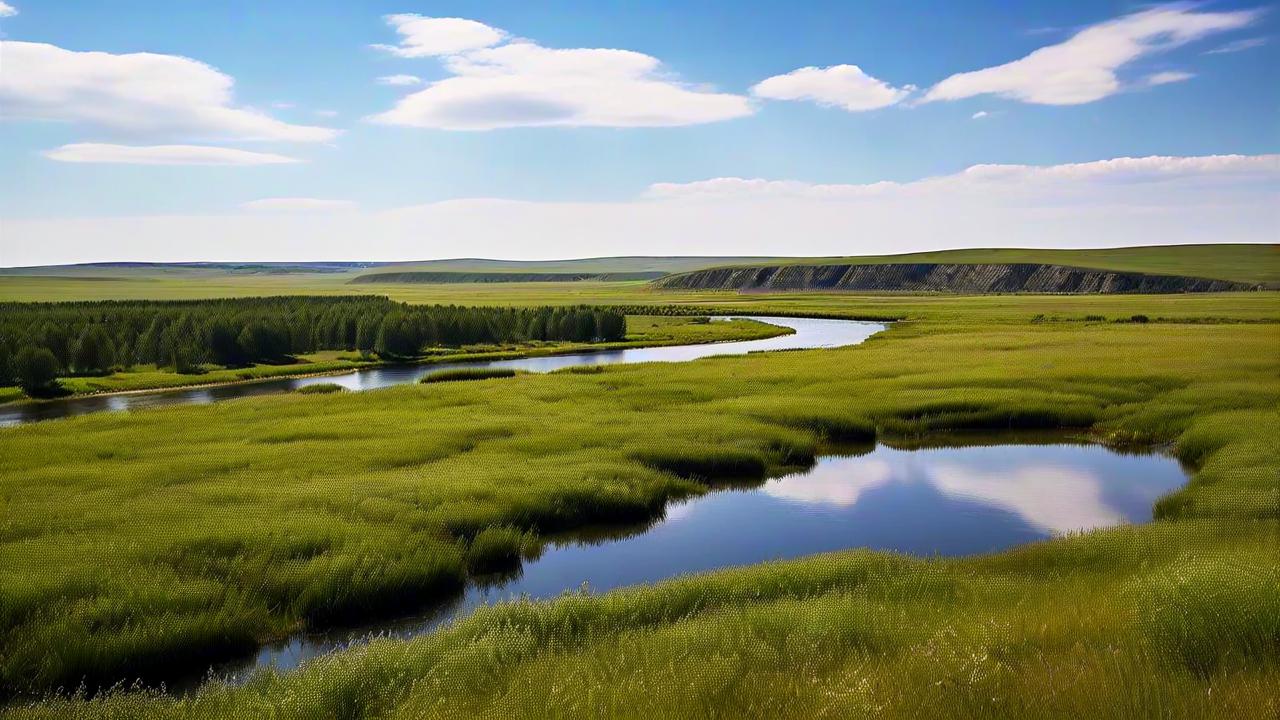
(809, 333)
(944, 501)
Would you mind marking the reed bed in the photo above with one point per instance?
(456, 374)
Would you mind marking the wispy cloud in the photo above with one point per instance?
(1167, 77)
(162, 155)
(1084, 68)
(1238, 46)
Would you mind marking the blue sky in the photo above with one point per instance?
(1184, 81)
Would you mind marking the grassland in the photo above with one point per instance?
(643, 331)
(140, 542)
(1243, 263)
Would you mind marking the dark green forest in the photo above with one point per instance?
(42, 341)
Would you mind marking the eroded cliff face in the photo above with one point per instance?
(941, 277)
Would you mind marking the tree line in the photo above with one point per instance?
(42, 341)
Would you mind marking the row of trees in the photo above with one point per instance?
(87, 338)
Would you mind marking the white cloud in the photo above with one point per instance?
(980, 114)
(7, 10)
(522, 84)
(138, 93)
(1125, 201)
(1008, 180)
(298, 204)
(327, 113)
(1167, 77)
(162, 155)
(433, 36)
(1236, 46)
(399, 80)
(842, 86)
(283, 105)
(1083, 68)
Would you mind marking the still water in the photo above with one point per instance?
(809, 333)
(928, 502)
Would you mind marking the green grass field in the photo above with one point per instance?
(146, 541)
(1244, 263)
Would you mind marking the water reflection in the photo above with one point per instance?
(809, 333)
(933, 501)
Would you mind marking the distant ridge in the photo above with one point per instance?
(942, 277)
(498, 277)
(1242, 263)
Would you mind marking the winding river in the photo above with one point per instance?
(809, 333)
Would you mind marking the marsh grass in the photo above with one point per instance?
(494, 549)
(320, 389)
(456, 374)
(137, 541)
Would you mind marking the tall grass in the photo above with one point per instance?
(456, 374)
(320, 389)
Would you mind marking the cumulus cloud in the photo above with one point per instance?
(297, 204)
(497, 84)
(136, 93)
(1125, 201)
(980, 114)
(399, 80)
(843, 86)
(7, 10)
(1167, 77)
(1238, 46)
(162, 155)
(1084, 68)
(432, 36)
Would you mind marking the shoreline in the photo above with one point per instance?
(432, 360)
